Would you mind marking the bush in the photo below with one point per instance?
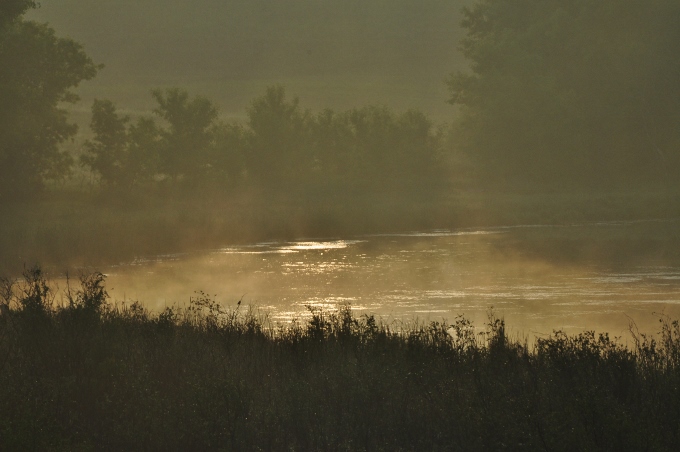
(209, 377)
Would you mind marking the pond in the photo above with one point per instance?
(433, 275)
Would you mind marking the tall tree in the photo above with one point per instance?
(278, 152)
(106, 154)
(11, 10)
(187, 142)
(37, 73)
(121, 153)
(376, 149)
(143, 151)
(577, 92)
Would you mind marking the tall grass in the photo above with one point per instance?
(80, 373)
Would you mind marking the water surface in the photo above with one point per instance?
(428, 275)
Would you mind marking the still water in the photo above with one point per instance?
(431, 275)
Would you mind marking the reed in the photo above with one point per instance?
(78, 372)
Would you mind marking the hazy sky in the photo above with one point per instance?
(337, 54)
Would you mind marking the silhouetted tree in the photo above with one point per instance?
(335, 148)
(144, 149)
(418, 156)
(106, 154)
(228, 155)
(195, 147)
(11, 10)
(372, 148)
(281, 147)
(278, 152)
(578, 92)
(121, 153)
(37, 72)
(186, 145)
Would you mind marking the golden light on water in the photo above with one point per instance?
(420, 275)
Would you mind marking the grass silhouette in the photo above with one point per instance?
(80, 373)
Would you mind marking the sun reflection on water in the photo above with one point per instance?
(437, 274)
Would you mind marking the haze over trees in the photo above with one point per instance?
(557, 95)
(557, 98)
(564, 103)
(337, 54)
(38, 72)
(578, 93)
(281, 147)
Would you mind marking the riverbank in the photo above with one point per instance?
(67, 228)
(88, 375)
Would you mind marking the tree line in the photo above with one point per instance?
(571, 93)
(38, 72)
(577, 94)
(184, 143)
(280, 146)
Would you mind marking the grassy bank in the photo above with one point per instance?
(77, 373)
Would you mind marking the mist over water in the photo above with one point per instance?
(377, 224)
(511, 132)
(430, 275)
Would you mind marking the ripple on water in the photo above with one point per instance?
(332, 245)
(247, 251)
(445, 294)
(314, 268)
(440, 233)
(403, 274)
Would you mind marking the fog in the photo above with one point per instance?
(134, 131)
(333, 54)
(418, 277)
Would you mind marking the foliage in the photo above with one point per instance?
(121, 154)
(281, 148)
(92, 294)
(277, 149)
(106, 154)
(228, 155)
(10, 10)
(38, 70)
(185, 144)
(372, 147)
(35, 296)
(570, 93)
(208, 377)
(189, 149)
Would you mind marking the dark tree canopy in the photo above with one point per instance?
(369, 148)
(122, 153)
(107, 153)
(191, 145)
(13, 9)
(37, 72)
(281, 149)
(577, 92)
(186, 143)
(278, 150)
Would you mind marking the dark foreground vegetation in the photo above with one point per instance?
(78, 373)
